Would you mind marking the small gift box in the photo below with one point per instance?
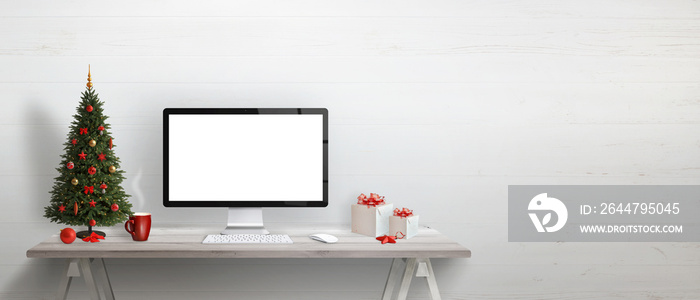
(403, 224)
(370, 216)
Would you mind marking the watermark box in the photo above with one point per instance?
(603, 213)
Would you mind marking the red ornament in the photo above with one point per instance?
(89, 189)
(61, 208)
(70, 165)
(103, 186)
(101, 157)
(67, 235)
(89, 108)
(74, 141)
(92, 170)
(387, 239)
(75, 208)
(110, 144)
(101, 129)
(92, 203)
(83, 131)
(92, 222)
(115, 207)
(82, 155)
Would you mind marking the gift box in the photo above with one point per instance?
(370, 216)
(403, 224)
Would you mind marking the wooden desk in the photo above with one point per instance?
(409, 256)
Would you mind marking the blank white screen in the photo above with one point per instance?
(245, 157)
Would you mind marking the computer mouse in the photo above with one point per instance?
(323, 237)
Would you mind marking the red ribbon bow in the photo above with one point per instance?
(94, 238)
(404, 213)
(373, 200)
(83, 131)
(90, 189)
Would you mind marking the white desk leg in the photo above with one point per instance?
(70, 271)
(106, 284)
(407, 276)
(86, 272)
(391, 279)
(432, 282)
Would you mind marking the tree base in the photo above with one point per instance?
(86, 233)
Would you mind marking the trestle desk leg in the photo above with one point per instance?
(70, 271)
(86, 272)
(106, 284)
(391, 279)
(407, 276)
(426, 270)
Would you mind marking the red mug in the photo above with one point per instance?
(139, 225)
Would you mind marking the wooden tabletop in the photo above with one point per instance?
(186, 242)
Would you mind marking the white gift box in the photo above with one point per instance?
(403, 227)
(371, 220)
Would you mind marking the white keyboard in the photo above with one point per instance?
(247, 239)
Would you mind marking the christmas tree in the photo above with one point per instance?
(88, 190)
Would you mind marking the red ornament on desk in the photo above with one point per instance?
(67, 235)
(387, 239)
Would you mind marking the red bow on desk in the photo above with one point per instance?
(94, 238)
(404, 213)
(372, 200)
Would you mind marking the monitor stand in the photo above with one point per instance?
(245, 220)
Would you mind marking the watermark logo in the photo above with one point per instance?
(553, 205)
(603, 213)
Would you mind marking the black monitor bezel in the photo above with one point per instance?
(203, 111)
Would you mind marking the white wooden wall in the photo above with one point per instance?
(439, 105)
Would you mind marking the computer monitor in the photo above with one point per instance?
(245, 159)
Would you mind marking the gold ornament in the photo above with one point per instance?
(92, 143)
(112, 169)
(74, 181)
(89, 84)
